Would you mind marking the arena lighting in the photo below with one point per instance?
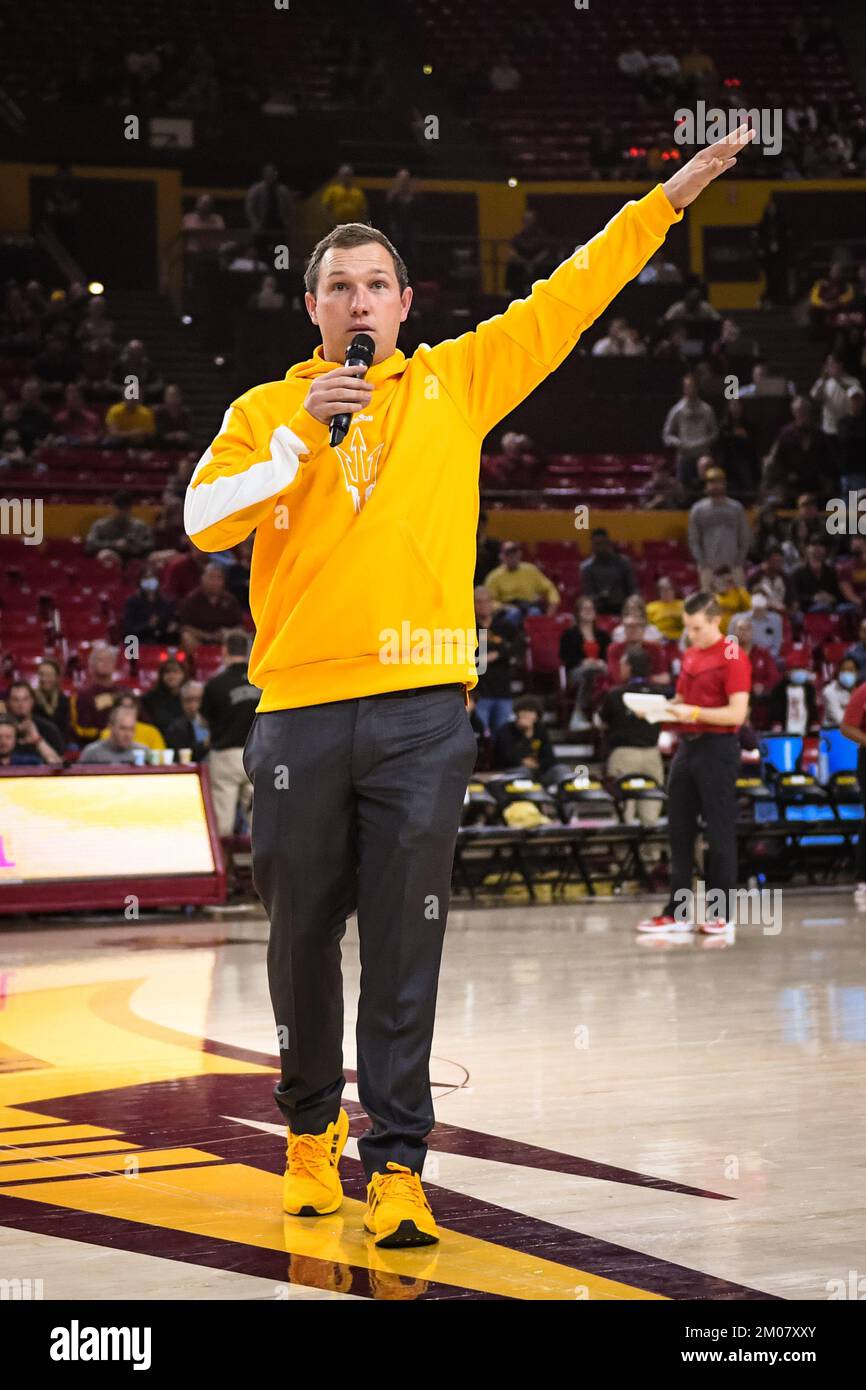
(427, 69)
(186, 319)
(96, 287)
(219, 361)
(512, 183)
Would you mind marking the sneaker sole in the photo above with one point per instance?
(315, 1211)
(662, 931)
(407, 1233)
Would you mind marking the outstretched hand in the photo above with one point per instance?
(705, 166)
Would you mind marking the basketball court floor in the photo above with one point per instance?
(618, 1117)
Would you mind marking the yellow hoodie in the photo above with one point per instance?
(361, 578)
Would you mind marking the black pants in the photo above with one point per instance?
(356, 806)
(703, 780)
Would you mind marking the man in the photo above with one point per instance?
(719, 533)
(173, 419)
(12, 752)
(606, 577)
(765, 673)
(33, 728)
(833, 391)
(229, 706)
(712, 701)
(632, 743)
(362, 747)
(129, 422)
(851, 437)
(75, 423)
(147, 614)
(529, 254)
(690, 428)
(487, 551)
(190, 730)
(120, 746)
(771, 580)
(523, 740)
(91, 705)
(268, 208)
(493, 692)
(731, 597)
(800, 456)
(816, 586)
(521, 587)
(121, 531)
(765, 625)
(343, 201)
(207, 614)
(657, 661)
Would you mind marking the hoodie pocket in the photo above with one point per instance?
(373, 584)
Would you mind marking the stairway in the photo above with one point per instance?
(176, 353)
(783, 343)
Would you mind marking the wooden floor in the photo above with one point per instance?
(617, 1117)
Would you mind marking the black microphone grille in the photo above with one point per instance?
(362, 348)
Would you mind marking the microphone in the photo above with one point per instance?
(359, 353)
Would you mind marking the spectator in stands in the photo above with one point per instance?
(529, 254)
(858, 651)
(183, 574)
(663, 492)
(773, 253)
(189, 730)
(662, 81)
(765, 671)
(815, 583)
(674, 345)
(619, 341)
(632, 743)
(735, 450)
(766, 624)
(800, 456)
(851, 573)
(96, 326)
(55, 366)
(837, 692)
(732, 347)
(120, 531)
(513, 466)
(147, 614)
(487, 552)
(50, 701)
(202, 229)
(96, 366)
(145, 733)
(229, 705)
(34, 424)
(634, 607)
(635, 636)
(854, 727)
(691, 429)
(692, 307)
(583, 652)
(698, 70)
(128, 423)
(162, 704)
(762, 384)
(173, 419)
(833, 391)
(521, 586)
(719, 532)
(75, 422)
(207, 614)
(730, 594)
(792, 707)
(504, 76)
(770, 530)
(35, 733)
(828, 295)
(660, 270)
(13, 457)
(524, 741)
(632, 61)
(11, 753)
(498, 646)
(91, 705)
(343, 200)
(268, 208)
(120, 745)
(808, 522)
(665, 613)
(269, 297)
(134, 368)
(168, 532)
(606, 577)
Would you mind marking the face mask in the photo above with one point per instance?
(799, 677)
(848, 679)
(149, 585)
(759, 602)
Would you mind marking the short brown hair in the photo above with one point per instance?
(352, 234)
(702, 602)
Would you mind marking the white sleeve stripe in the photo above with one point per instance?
(211, 502)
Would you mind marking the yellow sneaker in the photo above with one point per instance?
(311, 1185)
(397, 1212)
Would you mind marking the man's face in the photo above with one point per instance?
(815, 555)
(123, 728)
(483, 607)
(716, 487)
(19, 702)
(212, 581)
(511, 556)
(601, 546)
(358, 292)
(690, 388)
(525, 720)
(701, 631)
(723, 582)
(102, 665)
(634, 630)
(7, 740)
(191, 701)
(774, 562)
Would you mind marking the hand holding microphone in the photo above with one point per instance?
(334, 397)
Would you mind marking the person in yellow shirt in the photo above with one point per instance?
(729, 596)
(361, 592)
(343, 200)
(148, 734)
(666, 611)
(520, 585)
(130, 421)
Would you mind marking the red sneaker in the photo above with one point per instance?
(664, 923)
(715, 928)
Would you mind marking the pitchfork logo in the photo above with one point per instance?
(359, 466)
